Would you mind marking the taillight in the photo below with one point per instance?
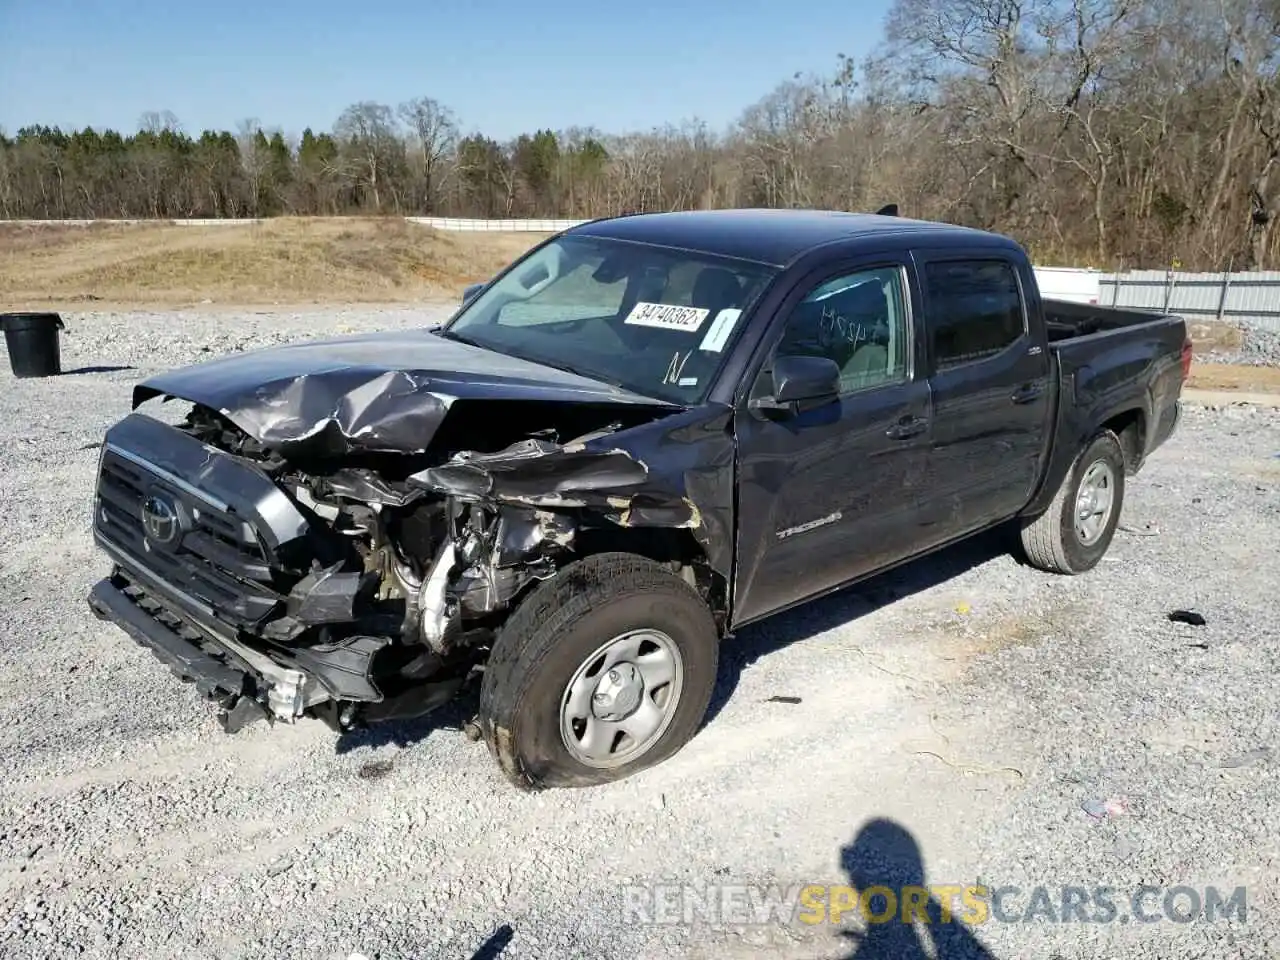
(1186, 358)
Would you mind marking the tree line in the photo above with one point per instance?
(1121, 133)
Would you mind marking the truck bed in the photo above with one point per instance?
(1066, 319)
(1111, 360)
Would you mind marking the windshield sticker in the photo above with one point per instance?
(718, 333)
(688, 381)
(667, 316)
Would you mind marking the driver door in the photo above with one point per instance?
(831, 494)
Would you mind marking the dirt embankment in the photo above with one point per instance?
(283, 261)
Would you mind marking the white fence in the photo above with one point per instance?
(500, 226)
(1252, 298)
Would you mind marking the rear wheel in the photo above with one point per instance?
(605, 670)
(1074, 533)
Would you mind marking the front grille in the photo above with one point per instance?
(210, 554)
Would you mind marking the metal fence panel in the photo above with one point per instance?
(1248, 297)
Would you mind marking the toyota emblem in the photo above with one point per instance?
(159, 519)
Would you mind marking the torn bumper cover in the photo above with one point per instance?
(221, 668)
(196, 537)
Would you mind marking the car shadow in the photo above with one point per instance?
(452, 716)
(742, 650)
(847, 605)
(884, 866)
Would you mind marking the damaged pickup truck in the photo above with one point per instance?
(642, 435)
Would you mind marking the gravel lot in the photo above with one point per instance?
(985, 709)
(1259, 347)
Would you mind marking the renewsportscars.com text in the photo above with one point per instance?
(970, 904)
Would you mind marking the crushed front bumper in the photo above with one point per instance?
(247, 683)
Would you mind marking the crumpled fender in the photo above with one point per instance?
(676, 472)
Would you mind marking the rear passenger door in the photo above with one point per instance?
(989, 382)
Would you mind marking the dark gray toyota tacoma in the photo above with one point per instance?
(644, 434)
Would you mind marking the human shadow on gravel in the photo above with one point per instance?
(497, 943)
(886, 869)
(818, 616)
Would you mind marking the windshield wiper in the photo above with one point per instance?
(530, 358)
(448, 334)
(577, 372)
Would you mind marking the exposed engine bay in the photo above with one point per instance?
(404, 566)
(343, 528)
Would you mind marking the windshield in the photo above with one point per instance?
(653, 320)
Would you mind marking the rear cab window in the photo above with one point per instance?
(976, 310)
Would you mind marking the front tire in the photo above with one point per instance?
(601, 672)
(1073, 534)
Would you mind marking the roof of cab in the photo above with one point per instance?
(775, 236)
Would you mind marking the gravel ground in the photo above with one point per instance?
(1260, 348)
(964, 720)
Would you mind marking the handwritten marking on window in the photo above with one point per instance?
(676, 368)
(834, 327)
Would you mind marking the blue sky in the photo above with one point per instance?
(503, 66)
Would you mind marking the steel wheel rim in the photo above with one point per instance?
(621, 699)
(1095, 499)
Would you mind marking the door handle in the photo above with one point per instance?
(1027, 392)
(906, 428)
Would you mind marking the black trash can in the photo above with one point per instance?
(32, 339)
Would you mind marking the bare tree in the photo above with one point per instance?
(436, 132)
(1118, 132)
(367, 131)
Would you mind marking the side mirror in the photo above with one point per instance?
(801, 383)
(469, 292)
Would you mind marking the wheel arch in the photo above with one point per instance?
(676, 548)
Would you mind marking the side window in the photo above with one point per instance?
(859, 320)
(975, 310)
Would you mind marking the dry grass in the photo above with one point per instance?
(287, 261)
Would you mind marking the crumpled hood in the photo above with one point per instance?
(379, 392)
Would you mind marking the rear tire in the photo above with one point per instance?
(1071, 536)
(601, 672)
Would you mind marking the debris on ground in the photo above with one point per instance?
(1189, 617)
(1246, 759)
(1147, 529)
(374, 769)
(782, 699)
(1105, 809)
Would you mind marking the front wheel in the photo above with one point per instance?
(603, 671)
(1073, 534)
